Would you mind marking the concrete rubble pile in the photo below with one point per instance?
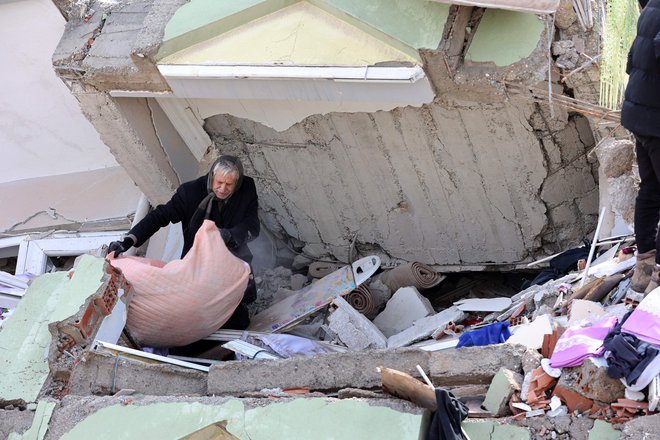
(511, 361)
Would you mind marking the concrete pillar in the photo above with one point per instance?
(126, 126)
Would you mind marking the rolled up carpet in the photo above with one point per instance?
(414, 274)
(362, 300)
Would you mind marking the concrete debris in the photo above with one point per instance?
(501, 389)
(353, 328)
(405, 307)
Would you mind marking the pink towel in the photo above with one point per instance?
(184, 300)
(577, 344)
(644, 322)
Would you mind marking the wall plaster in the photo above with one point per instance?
(469, 185)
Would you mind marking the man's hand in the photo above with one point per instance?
(227, 238)
(118, 247)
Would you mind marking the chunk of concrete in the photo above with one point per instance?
(531, 335)
(330, 371)
(531, 360)
(353, 328)
(585, 310)
(502, 387)
(103, 373)
(405, 307)
(424, 327)
(474, 365)
(591, 381)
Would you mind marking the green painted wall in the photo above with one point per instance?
(290, 419)
(24, 339)
(418, 24)
(39, 426)
(504, 37)
(198, 13)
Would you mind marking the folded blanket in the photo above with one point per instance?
(577, 344)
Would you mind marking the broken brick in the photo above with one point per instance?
(574, 401)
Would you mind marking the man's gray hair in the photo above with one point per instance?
(225, 167)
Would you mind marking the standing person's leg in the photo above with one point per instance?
(647, 211)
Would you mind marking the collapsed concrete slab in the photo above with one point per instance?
(256, 419)
(330, 371)
(474, 365)
(102, 374)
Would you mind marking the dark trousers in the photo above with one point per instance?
(647, 206)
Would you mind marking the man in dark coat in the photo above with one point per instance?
(225, 196)
(641, 115)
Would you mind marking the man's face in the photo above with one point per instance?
(224, 185)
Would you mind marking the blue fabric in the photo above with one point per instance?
(495, 333)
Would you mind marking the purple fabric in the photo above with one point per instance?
(577, 344)
(644, 322)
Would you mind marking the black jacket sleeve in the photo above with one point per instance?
(246, 227)
(173, 211)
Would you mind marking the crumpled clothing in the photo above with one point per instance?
(446, 420)
(577, 344)
(495, 333)
(628, 357)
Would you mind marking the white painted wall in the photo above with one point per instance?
(42, 130)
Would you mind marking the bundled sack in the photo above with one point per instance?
(185, 300)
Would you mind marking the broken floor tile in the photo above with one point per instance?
(405, 307)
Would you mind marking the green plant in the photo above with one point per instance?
(618, 34)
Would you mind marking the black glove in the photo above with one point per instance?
(121, 246)
(227, 238)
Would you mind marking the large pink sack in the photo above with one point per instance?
(184, 300)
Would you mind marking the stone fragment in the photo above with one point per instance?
(298, 281)
(561, 47)
(353, 328)
(591, 381)
(424, 327)
(565, 15)
(615, 157)
(405, 307)
(531, 360)
(502, 387)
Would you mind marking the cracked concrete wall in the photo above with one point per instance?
(462, 186)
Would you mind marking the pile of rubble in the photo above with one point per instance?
(538, 363)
